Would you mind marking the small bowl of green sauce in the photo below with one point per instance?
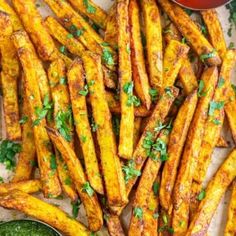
(27, 228)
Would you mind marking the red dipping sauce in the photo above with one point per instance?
(201, 4)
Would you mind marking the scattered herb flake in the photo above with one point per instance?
(129, 171)
(90, 9)
(23, 120)
(215, 106)
(154, 94)
(221, 82)
(107, 57)
(206, 56)
(156, 187)
(200, 91)
(75, 208)
(138, 212)
(201, 195)
(88, 189)
(53, 162)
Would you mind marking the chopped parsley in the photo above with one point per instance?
(68, 181)
(200, 92)
(75, 208)
(69, 36)
(154, 94)
(215, 106)
(221, 82)
(75, 31)
(165, 226)
(168, 91)
(88, 189)
(232, 16)
(53, 162)
(129, 171)
(63, 49)
(132, 99)
(216, 121)
(201, 195)
(156, 187)
(206, 56)
(63, 81)
(95, 27)
(8, 151)
(148, 142)
(138, 212)
(83, 138)
(23, 120)
(161, 147)
(231, 45)
(107, 57)
(85, 91)
(90, 9)
(94, 125)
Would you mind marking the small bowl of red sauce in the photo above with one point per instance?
(201, 4)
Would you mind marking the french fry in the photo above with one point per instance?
(84, 32)
(28, 186)
(27, 156)
(230, 225)
(164, 224)
(113, 177)
(140, 77)
(76, 77)
(174, 57)
(191, 32)
(214, 192)
(91, 10)
(110, 35)
(87, 195)
(216, 34)
(148, 177)
(137, 127)
(48, 176)
(15, 21)
(182, 188)
(43, 211)
(33, 24)
(125, 148)
(62, 120)
(179, 132)
(222, 143)
(114, 226)
(153, 32)
(9, 77)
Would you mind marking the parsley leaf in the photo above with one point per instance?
(200, 92)
(153, 93)
(232, 16)
(68, 181)
(75, 208)
(201, 195)
(138, 212)
(90, 9)
(215, 106)
(94, 125)
(23, 120)
(206, 56)
(129, 171)
(88, 189)
(161, 147)
(221, 82)
(132, 99)
(107, 57)
(156, 187)
(53, 162)
(148, 142)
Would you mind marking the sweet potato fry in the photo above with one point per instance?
(176, 144)
(50, 182)
(214, 28)
(91, 10)
(33, 24)
(114, 226)
(78, 92)
(174, 57)
(83, 31)
(9, 77)
(230, 225)
(222, 143)
(114, 180)
(127, 102)
(191, 32)
(182, 188)
(86, 193)
(43, 211)
(28, 186)
(150, 171)
(214, 192)
(27, 156)
(153, 32)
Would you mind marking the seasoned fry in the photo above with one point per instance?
(140, 76)
(114, 226)
(230, 225)
(28, 186)
(176, 144)
(113, 177)
(125, 148)
(214, 192)
(87, 195)
(84, 32)
(182, 189)
(91, 10)
(153, 32)
(214, 28)
(222, 143)
(174, 57)
(50, 182)
(191, 32)
(148, 177)
(76, 77)
(137, 127)
(9, 77)
(27, 156)
(33, 24)
(43, 211)
(15, 21)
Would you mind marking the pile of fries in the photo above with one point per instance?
(108, 102)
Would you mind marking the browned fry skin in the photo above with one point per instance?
(43, 211)
(230, 225)
(137, 131)
(78, 92)
(83, 31)
(62, 120)
(114, 226)
(27, 156)
(191, 32)
(16, 23)
(148, 177)
(9, 77)
(113, 177)
(91, 10)
(214, 193)
(140, 77)
(153, 32)
(28, 186)
(182, 189)
(174, 56)
(216, 34)
(222, 143)
(88, 197)
(110, 35)
(176, 144)
(33, 24)
(50, 182)
(126, 84)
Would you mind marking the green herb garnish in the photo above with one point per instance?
(201, 195)
(138, 212)
(206, 56)
(23, 120)
(90, 9)
(215, 106)
(132, 99)
(154, 94)
(129, 171)
(53, 162)
(88, 189)
(75, 208)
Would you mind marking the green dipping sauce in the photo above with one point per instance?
(26, 228)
